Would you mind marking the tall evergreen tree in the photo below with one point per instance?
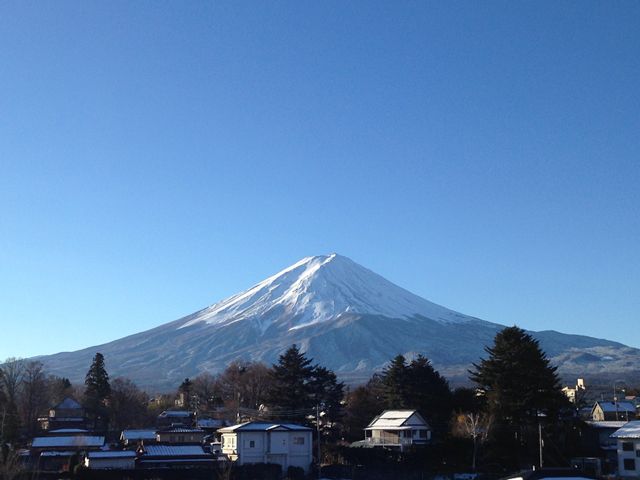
(517, 378)
(394, 382)
(429, 393)
(520, 386)
(97, 391)
(290, 392)
(417, 385)
(327, 394)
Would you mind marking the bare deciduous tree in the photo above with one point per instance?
(475, 426)
(33, 395)
(128, 405)
(244, 384)
(11, 377)
(204, 387)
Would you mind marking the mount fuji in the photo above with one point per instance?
(345, 316)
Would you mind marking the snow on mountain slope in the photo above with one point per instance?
(318, 289)
(342, 315)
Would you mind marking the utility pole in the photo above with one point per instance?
(318, 435)
(540, 440)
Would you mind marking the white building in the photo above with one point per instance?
(628, 449)
(397, 428)
(286, 444)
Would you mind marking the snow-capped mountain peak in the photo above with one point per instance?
(318, 289)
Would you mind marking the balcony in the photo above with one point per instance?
(389, 441)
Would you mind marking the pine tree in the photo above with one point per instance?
(517, 379)
(428, 392)
(394, 380)
(290, 394)
(97, 391)
(521, 388)
(327, 394)
(417, 386)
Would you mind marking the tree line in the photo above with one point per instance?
(515, 388)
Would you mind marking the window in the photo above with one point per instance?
(252, 444)
(637, 453)
(298, 440)
(627, 446)
(629, 463)
(423, 434)
(407, 434)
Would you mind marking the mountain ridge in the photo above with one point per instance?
(342, 314)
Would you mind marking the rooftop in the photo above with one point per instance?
(611, 407)
(263, 427)
(112, 454)
(68, 404)
(138, 435)
(76, 441)
(174, 451)
(629, 430)
(397, 418)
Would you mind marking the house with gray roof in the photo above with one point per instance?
(68, 414)
(397, 429)
(174, 456)
(286, 444)
(111, 460)
(133, 437)
(176, 435)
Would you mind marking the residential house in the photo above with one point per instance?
(55, 453)
(397, 429)
(111, 460)
(628, 449)
(174, 418)
(68, 442)
(596, 442)
(68, 414)
(180, 435)
(211, 425)
(286, 444)
(174, 456)
(130, 438)
(613, 411)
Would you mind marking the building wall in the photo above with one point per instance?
(285, 448)
(179, 437)
(107, 463)
(628, 457)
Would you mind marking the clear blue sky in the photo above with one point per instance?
(156, 157)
